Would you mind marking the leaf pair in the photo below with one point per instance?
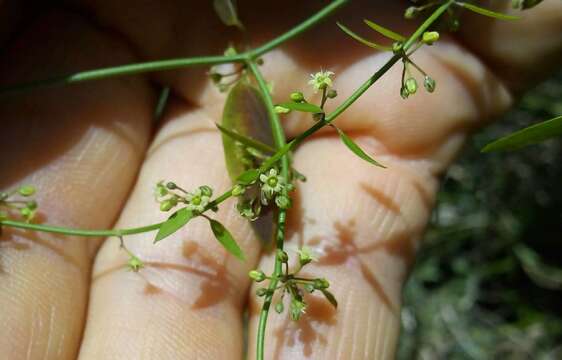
(181, 217)
(378, 28)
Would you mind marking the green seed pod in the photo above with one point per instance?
(411, 12)
(26, 190)
(297, 96)
(279, 307)
(411, 86)
(206, 190)
(429, 84)
(257, 275)
(332, 94)
(32, 205)
(430, 37)
(216, 77)
(404, 92)
(259, 61)
(171, 186)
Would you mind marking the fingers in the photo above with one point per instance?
(520, 52)
(81, 147)
(187, 302)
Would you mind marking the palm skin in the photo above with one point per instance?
(95, 153)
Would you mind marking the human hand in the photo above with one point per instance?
(83, 147)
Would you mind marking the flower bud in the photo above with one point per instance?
(26, 190)
(171, 186)
(429, 37)
(404, 92)
(332, 94)
(297, 96)
(166, 205)
(282, 256)
(257, 275)
(281, 110)
(259, 61)
(321, 284)
(283, 202)
(411, 86)
(261, 292)
(411, 12)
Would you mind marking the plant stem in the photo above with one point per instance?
(305, 25)
(178, 63)
(279, 139)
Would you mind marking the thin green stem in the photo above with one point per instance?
(280, 143)
(297, 30)
(178, 63)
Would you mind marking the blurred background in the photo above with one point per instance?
(487, 283)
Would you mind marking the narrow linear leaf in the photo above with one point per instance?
(304, 107)
(543, 274)
(384, 31)
(226, 239)
(330, 297)
(489, 13)
(362, 40)
(173, 224)
(356, 149)
(527, 136)
(246, 140)
(226, 10)
(248, 177)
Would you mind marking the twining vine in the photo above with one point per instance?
(262, 174)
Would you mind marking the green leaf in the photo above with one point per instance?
(384, 31)
(173, 224)
(543, 274)
(330, 297)
(364, 41)
(246, 140)
(527, 136)
(226, 10)
(489, 13)
(245, 114)
(226, 239)
(304, 107)
(356, 149)
(248, 177)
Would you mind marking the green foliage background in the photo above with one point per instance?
(488, 280)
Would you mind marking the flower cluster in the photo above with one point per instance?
(169, 195)
(293, 285)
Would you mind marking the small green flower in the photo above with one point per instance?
(321, 80)
(306, 255)
(272, 184)
(197, 201)
(430, 37)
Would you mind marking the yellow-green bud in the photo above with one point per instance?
(279, 307)
(297, 96)
(411, 86)
(31, 205)
(332, 94)
(281, 109)
(166, 205)
(429, 37)
(257, 275)
(26, 190)
(134, 263)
